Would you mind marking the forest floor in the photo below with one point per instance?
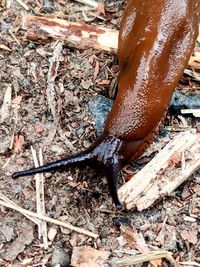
(78, 196)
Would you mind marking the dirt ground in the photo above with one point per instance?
(77, 196)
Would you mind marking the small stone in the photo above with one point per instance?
(100, 106)
(60, 258)
(80, 131)
(86, 144)
(86, 84)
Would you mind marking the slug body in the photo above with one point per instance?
(156, 39)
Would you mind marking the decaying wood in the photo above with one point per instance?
(162, 175)
(194, 112)
(42, 29)
(78, 35)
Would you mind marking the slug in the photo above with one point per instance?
(156, 39)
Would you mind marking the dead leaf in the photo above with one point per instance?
(18, 143)
(86, 84)
(17, 100)
(89, 257)
(101, 8)
(190, 236)
(104, 82)
(7, 232)
(38, 128)
(24, 238)
(136, 241)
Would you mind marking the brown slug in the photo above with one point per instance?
(156, 39)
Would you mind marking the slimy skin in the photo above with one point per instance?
(156, 40)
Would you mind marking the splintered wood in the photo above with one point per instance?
(42, 29)
(164, 173)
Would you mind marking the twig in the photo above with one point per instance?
(190, 264)
(154, 255)
(79, 35)
(39, 180)
(5, 108)
(47, 219)
(88, 2)
(51, 76)
(23, 4)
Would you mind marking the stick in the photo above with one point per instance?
(158, 179)
(91, 3)
(41, 29)
(22, 4)
(45, 218)
(39, 182)
(153, 255)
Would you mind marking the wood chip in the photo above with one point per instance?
(157, 179)
(5, 108)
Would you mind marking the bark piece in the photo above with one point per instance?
(161, 176)
(78, 35)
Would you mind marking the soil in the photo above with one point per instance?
(79, 196)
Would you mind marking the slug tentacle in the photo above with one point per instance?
(58, 165)
(111, 171)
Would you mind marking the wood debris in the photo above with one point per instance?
(5, 108)
(42, 29)
(157, 179)
(52, 74)
(194, 112)
(151, 256)
(40, 204)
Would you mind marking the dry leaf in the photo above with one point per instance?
(101, 8)
(18, 143)
(38, 128)
(89, 257)
(5, 108)
(8, 232)
(17, 100)
(137, 241)
(104, 82)
(24, 238)
(190, 236)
